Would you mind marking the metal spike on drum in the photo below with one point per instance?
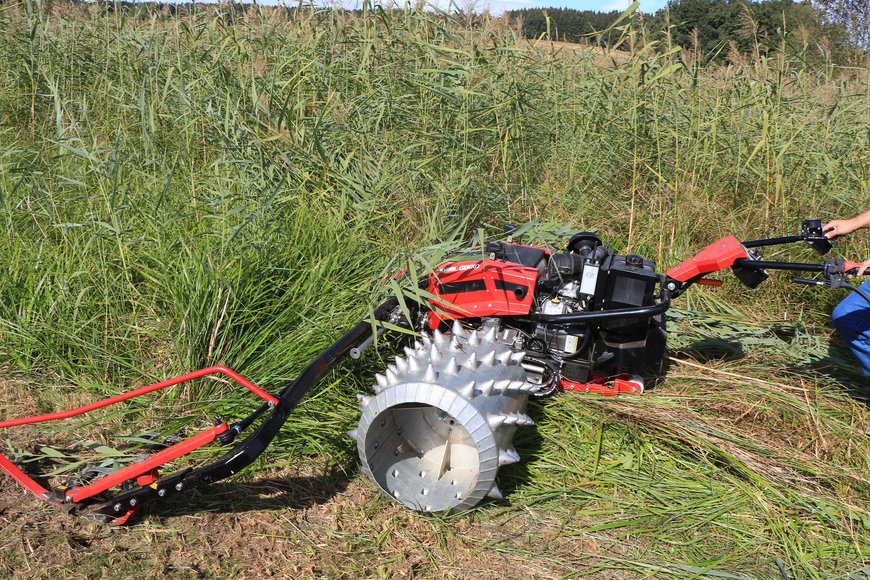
(488, 359)
(436, 434)
(502, 385)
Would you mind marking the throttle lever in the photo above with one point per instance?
(835, 277)
(834, 272)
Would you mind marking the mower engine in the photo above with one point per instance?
(578, 316)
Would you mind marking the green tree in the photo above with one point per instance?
(754, 26)
(853, 15)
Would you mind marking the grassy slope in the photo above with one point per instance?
(178, 192)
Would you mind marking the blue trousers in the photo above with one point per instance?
(852, 321)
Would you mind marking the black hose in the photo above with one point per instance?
(596, 315)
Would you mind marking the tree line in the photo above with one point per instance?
(833, 29)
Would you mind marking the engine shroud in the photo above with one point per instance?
(535, 295)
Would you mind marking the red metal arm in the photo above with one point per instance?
(22, 477)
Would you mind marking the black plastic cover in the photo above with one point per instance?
(516, 253)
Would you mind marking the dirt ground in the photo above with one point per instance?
(277, 525)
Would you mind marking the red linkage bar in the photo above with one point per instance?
(623, 384)
(22, 477)
(143, 391)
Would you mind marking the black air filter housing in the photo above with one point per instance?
(631, 281)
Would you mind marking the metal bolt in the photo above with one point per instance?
(179, 486)
(161, 492)
(117, 507)
(133, 502)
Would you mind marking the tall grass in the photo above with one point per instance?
(223, 187)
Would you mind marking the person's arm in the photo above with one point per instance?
(836, 228)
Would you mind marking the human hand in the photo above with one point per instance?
(836, 228)
(863, 267)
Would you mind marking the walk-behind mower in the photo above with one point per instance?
(503, 322)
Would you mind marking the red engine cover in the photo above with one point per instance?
(481, 288)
